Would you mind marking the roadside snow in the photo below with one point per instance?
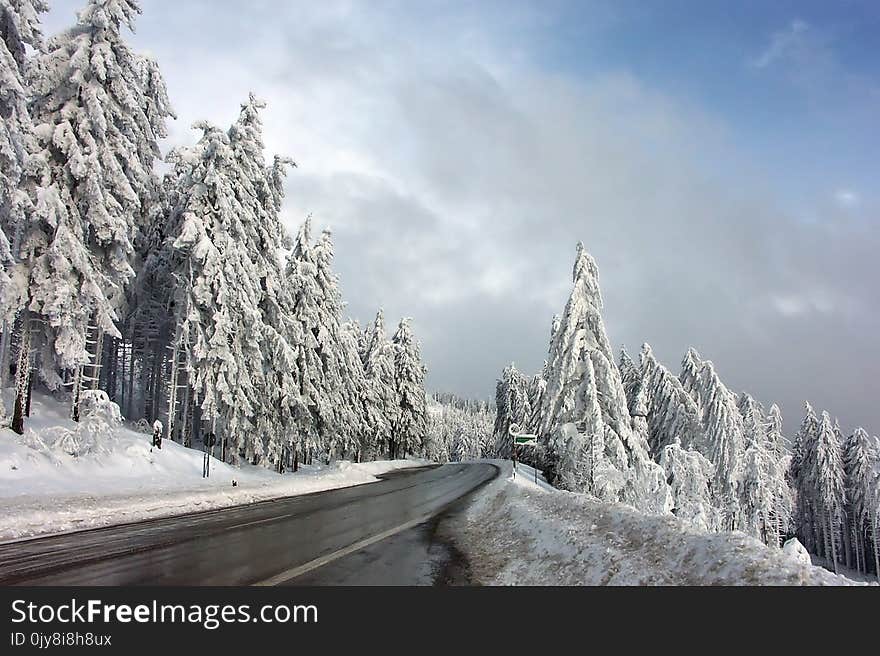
(517, 533)
(44, 490)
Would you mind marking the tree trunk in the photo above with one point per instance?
(833, 539)
(22, 377)
(876, 548)
(172, 388)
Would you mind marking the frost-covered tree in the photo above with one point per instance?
(19, 32)
(824, 474)
(766, 501)
(689, 475)
(803, 452)
(722, 441)
(98, 111)
(19, 29)
(409, 427)
(860, 461)
(775, 438)
(691, 365)
(378, 359)
(512, 406)
(584, 415)
(460, 429)
(670, 411)
(218, 304)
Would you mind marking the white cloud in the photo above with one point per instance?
(847, 198)
(458, 176)
(788, 42)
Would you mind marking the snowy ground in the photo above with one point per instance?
(44, 490)
(519, 533)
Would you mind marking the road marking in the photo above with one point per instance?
(299, 570)
(329, 558)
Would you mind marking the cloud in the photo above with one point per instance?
(795, 41)
(458, 174)
(847, 198)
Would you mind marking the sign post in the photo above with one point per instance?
(521, 439)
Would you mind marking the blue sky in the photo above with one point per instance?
(719, 160)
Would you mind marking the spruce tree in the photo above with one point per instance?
(98, 111)
(411, 423)
(584, 414)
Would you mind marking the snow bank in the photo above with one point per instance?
(44, 489)
(519, 533)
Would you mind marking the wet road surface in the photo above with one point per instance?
(373, 534)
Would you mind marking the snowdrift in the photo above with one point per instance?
(519, 533)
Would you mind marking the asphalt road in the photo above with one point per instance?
(377, 533)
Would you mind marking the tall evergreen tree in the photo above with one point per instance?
(860, 463)
(825, 476)
(512, 406)
(670, 411)
(98, 111)
(584, 413)
(19, 31)
(378, 358)
(411, 423)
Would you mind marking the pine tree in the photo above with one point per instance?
(512, 405)
(860, 462)
(825, 475)
(723, 441)
(19, 31)
(774, 437)
(584, 415)
(98, 112)
(217, 308)
(411, 423)
(671, 413)
(378, 358)
(689, 475)
(691, 365)
(803, 454)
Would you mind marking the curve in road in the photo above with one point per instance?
(265, 543)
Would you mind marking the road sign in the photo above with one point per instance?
(525, 440)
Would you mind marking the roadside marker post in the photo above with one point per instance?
(521, 439)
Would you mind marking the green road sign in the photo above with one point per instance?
(525, 439)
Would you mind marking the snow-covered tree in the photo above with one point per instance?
(378, 359)
(409, 427)
(512, 406)
(690, 475)
(670, 411)
(722, 441)
(825, 476)
(460, 429)
(19, 31)
(584, 415)
(802, 453)
(98, 111)
(218, 305)
(860, 461)
(775, 438)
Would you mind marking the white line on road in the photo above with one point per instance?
(329, 558)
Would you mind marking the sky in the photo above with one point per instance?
(719, 161)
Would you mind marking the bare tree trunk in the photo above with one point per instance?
(22, 376)
(172, 388)
(833, 539)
